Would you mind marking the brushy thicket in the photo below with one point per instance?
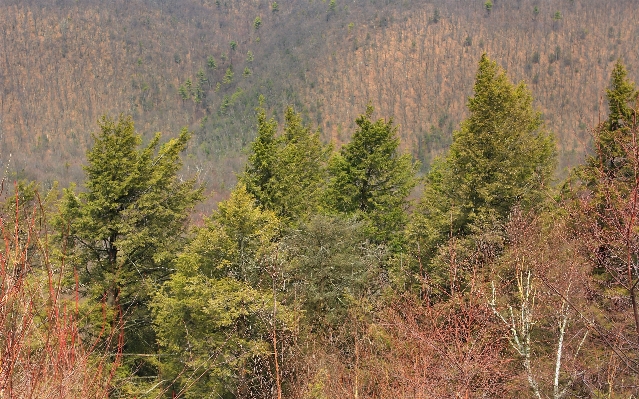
(42, 351)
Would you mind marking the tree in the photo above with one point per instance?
(500, 157)
(369, 178)
(123, 230)
(332, 266)
(615, 132)
(218, 310)
(436, 15)
(286, 174)
(210, 61)
(184, 93)
(228, 76)
(610, 201)
(488, 5)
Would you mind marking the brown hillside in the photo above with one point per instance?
(64, 63)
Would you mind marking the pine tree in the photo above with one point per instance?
(614, 134)
(609, 198)
(501, 157)
(371, 179)
(122, 231)
(216, 311)
(286, 173)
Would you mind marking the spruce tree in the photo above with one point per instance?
(371, 179)
(501, 157)
(613, 135)
(122, 231)
(286, 173)
(215, 316)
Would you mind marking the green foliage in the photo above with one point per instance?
(286, 174)
(233, 45)
(370, 179)
(500, 157)
(249, 56)
(184, 92)
(436, 15)
(247, 72)
(257, 23)
(621, 96)
(210, 61)
(614, 138)
(217, 311)
(488, 5)
(332, 266)
(122, 231)
(228, 76)
(275, 7)
(201, 77)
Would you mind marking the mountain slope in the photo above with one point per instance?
(64, 63)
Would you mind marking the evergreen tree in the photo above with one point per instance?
(614, 134)
(286, 174)
(123, 229)
(260, 168)
(500, 157)
(217, 310)
(371, 179)
(608, 199)
(332, 266)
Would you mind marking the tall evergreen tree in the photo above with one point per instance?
(286, 173)
(123, 230)
(371, 179)
(500, 157)
(614, 134)
(610, 199)
(218, 311)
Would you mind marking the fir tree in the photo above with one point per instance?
(501, 157)
(371, 179)
(286, 173)
(123, 230)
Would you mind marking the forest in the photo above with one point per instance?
(204, 64)
(334, 272)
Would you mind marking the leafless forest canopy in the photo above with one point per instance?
(65, 63)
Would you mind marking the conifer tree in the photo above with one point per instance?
(286, 173)
(613, 135)
(122, 231)
(500, 157)
(217, 310)
(371, 179)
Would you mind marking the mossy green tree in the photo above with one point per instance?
(333, 267)
(122, 231)
(286, 173)
(219, 311)
(609, 199)
(369, 178)
(501, 157)
(614, 134)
